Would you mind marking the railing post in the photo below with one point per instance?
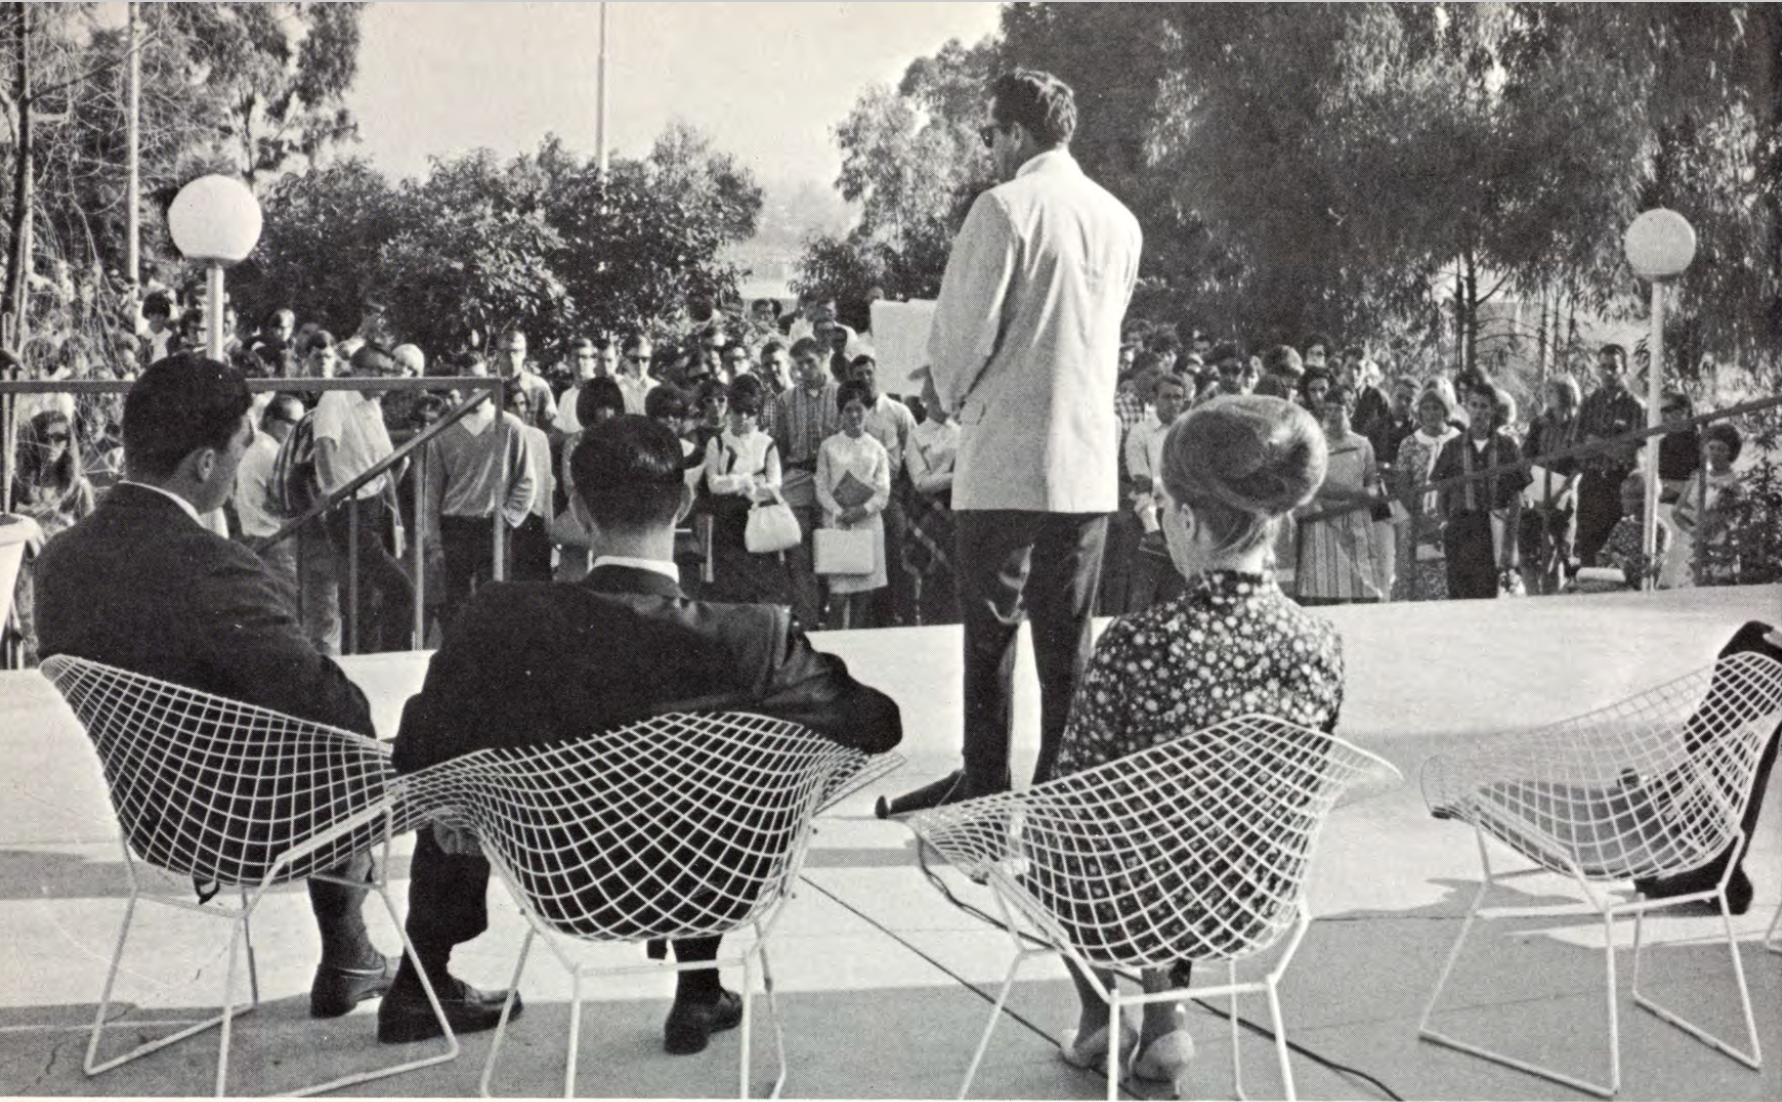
(420, 539)
(500, 526)
(352, 594)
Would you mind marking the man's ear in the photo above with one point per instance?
(579, 510)
(200, 465)
(686, 506)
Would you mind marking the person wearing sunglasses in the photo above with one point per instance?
(1025, 350)
(634, 371)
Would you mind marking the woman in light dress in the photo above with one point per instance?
(853, 486)
(1336, 553)
(1421, 573)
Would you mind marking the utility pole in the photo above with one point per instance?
(133, 189)
(600, 97)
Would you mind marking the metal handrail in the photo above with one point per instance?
(488, 386)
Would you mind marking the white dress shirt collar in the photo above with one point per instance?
(1056, 157)
(655, 566)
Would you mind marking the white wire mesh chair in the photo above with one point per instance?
(674, 827)
(236, 796)
(1196, 849)
(1649, 787)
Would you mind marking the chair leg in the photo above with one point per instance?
(575, 1033)
(1752, 1058)
(1426, 1032)
(506, 1009)
(1280, 1027)
(452, 1046)
(1008, 985)
(773, 1016)
(92, 1065)
(1770, 941)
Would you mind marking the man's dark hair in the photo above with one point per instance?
(1227, 351)
(769, 348)
(1040, 102)
(1318, 339)
(852, 390)
(1615, 350)
(628, 472)
(596, 395)
(180, 404)
(1165, 340)
(157, 305)
(283, 407)
(370, 358)
(1282, 359)
(665, 400)
(633, 342)
(805, 345)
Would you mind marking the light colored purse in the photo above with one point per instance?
(772, 527)
(844, 550)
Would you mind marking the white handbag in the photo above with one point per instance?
(772, 527)
(844, 550)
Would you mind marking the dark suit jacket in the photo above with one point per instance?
(141, 585)
(533, 663)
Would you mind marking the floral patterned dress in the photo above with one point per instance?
(1232, 644)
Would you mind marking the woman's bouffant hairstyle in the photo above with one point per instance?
(1241, 463)
(1726, 434)
(1442, 391)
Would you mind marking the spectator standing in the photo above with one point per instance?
(476, 471)
(1422, 574)
(1610, 411)
(853, 485)
(253, 485)
(1025, 350)
(1281, 369)
(350, 439)
(48, 487)
(1624, 550)
(1709, 505)
(742, 468)
(531, 536)
(1550, 523)
(891, 423)
(1149, 567)
(803, 418)
(928, 550)
(1482, 514)
(634, 372)
(511, 363)
(1336, 553)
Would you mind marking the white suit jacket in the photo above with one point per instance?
(1026, 341)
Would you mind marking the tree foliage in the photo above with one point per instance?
(541, 241)
(1387, 170)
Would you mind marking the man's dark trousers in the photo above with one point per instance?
(1049, 564)
(385, 615)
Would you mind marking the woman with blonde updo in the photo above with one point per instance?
(1231, 644)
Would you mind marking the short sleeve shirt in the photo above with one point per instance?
(356, 425)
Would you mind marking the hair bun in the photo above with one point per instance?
(1255, 453)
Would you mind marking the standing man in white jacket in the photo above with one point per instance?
(1025, 351)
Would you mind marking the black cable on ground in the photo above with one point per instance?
(946, 891)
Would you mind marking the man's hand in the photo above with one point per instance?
(456, 840)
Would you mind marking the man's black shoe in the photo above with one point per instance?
(337, 990)
(405, 1015)
(953, 788)
(690, 1025)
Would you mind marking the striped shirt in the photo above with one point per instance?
(802, 420)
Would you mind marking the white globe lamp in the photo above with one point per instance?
(214, 219)
(1659, 245)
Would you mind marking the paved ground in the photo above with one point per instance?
(884, 986)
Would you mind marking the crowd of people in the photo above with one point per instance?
(1223, 494)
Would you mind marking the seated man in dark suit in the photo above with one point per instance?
(142, 585)
(534, 663)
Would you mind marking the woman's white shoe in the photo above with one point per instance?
(1166, 1060)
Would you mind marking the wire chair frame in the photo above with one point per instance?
(1195, 849)
(237, 797)
(1649, 787)
(674, 827)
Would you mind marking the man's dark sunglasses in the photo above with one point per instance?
(56, 438)
(635, 359)
(988, 133)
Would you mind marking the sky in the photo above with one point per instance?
(766, 81)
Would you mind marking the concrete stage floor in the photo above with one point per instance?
(884, 986)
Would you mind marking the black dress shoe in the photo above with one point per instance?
(405, 1015)
(337, 990)
(953, 788)
(690, 1025)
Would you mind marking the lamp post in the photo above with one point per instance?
(1659, 245)
(215, 219)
